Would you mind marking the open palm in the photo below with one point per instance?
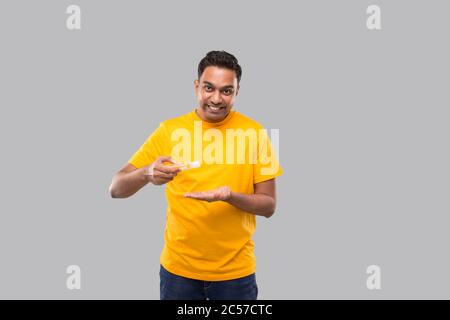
(219, 194)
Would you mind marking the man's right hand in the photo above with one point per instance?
(159, 173)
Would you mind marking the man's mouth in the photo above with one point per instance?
(215, 108)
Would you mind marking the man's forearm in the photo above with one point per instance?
(259, 204)
(125, 184)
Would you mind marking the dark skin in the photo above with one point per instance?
(217, 87)
(216, 91)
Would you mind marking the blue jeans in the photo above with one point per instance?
(174, 287)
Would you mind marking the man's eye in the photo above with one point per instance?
(208, 88)
(228, 91)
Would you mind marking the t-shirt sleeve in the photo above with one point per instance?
(151, 149)
(267, 164)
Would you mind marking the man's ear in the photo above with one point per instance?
(196, 83)
(237, 89)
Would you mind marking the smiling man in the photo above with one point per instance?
(211, 215)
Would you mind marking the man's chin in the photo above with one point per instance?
(215, 116)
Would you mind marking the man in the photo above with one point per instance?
(208, 251)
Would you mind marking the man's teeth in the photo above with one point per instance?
(214, 108)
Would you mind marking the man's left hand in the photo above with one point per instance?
(219, 194)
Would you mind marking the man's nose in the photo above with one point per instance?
(216, 98)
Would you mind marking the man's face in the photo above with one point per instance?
(215, 90)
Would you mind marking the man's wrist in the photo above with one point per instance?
(148, 174)
(229, 196)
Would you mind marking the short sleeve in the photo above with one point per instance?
(267, 164)
(151, 149)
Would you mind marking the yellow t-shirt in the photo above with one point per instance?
(210, 241)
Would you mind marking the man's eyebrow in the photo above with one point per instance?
(224, 87)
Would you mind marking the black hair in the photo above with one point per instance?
(220, 59)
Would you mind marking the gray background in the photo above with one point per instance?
(363, 118)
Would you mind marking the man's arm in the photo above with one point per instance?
(261, 203)
(130, 179)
